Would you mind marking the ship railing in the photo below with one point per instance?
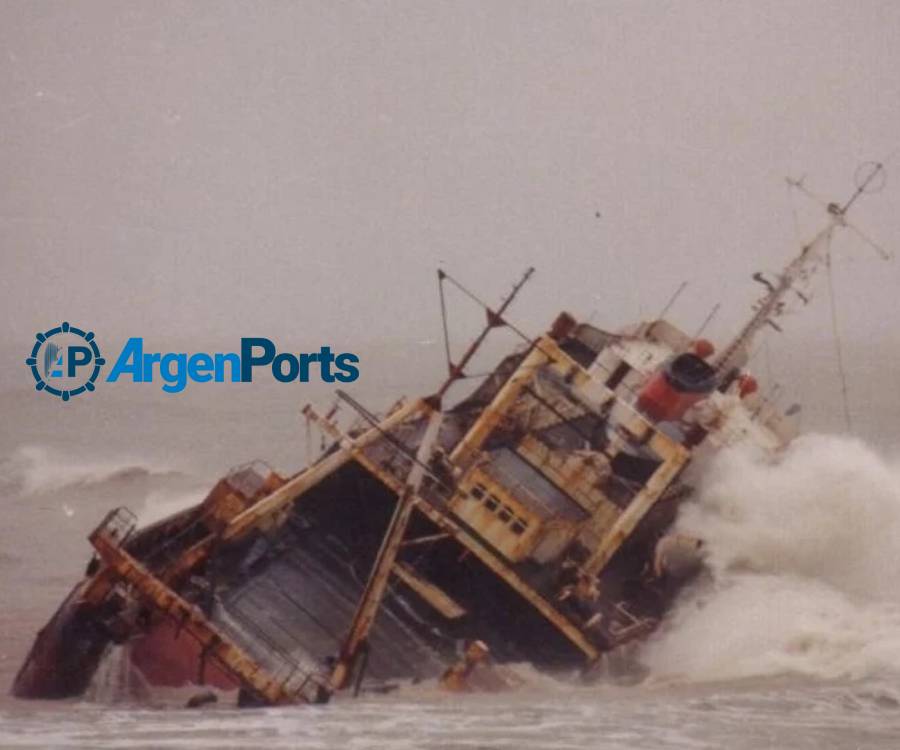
(298, 682)
(635, 624)
(117, 526)
(249, 478)
(294, 679)
(294, 676)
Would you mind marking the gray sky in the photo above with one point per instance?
(201, 171)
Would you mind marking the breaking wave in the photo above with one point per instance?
(34, 470)
(60, 482)
(805, 568)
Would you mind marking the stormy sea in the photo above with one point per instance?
(792, 639)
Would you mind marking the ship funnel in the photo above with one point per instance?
(676, 387)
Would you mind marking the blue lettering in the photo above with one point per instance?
(129, 361)
(199, 366)
(234, 360)
(248, 361)
(78, 356)
(347, 362)
(326, 358)
(178, 369)
(175, 380)
(149, 361)
(305, 360)
(278, 370)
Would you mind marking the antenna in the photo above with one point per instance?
(494, 320)
(870, 177)
(665, 309)
(708, 320)
(672, 300)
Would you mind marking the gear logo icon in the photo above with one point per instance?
(65, 361)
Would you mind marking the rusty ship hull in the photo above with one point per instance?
(529, 521)
(527, 517)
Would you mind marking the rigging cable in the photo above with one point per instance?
(444, 320)
(837, 342)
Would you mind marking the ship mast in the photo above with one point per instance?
(771, 305)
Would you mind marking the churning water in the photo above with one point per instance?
(791, 641)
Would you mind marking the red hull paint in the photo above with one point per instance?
(663, 403)
(169, 658)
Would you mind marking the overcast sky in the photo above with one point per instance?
(199, 171)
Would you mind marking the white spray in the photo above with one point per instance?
(805, 561)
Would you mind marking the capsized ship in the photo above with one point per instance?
(530, 521)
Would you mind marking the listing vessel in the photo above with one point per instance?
(529, 521)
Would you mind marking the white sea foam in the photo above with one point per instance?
(36, 469)
(58, 480)
(805, 561)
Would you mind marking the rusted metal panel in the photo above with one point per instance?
(107, 540)
(530, 487)
(387, 556)
(636, 510)
(494, 413)
(270, 511)
(435, 596)
(554, 537)
(295, 487)
(483, 553)
(579, 473)
(498, 515)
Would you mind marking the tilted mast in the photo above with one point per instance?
(771, 305)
